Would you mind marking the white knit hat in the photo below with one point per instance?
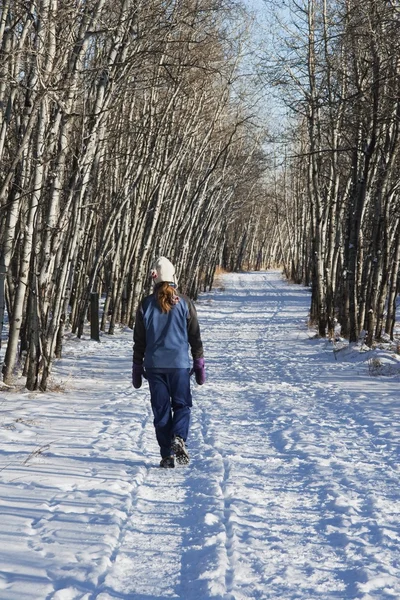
(163, 270)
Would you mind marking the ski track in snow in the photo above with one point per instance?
(292, 491)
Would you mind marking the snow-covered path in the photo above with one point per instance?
(292, 492)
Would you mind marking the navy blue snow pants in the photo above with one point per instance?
(171, 400)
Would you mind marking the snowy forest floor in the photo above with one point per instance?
(292, 491)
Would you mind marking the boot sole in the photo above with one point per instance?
(181, 454)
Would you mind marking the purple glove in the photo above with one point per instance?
(199, 370)
(137, 374)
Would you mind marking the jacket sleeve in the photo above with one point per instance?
(139, 337)
(194, 336)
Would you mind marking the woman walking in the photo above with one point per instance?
(166, 327)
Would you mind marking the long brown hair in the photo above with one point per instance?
(166, 296)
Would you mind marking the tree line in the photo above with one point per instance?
(128, 130)
(122, 137)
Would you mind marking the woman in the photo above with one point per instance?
(166, 326)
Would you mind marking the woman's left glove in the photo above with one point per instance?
(199, 370)
(137, 374)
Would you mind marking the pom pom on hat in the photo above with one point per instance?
(163, 270)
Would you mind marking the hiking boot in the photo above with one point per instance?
(168, 462)
(181, 454)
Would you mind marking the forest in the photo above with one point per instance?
(133, 129)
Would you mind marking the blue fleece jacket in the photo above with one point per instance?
(162, 340)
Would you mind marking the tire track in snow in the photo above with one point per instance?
(211, 545)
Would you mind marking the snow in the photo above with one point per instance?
(292, 491)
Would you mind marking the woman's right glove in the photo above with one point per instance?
(199, 370)
(137, 374)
